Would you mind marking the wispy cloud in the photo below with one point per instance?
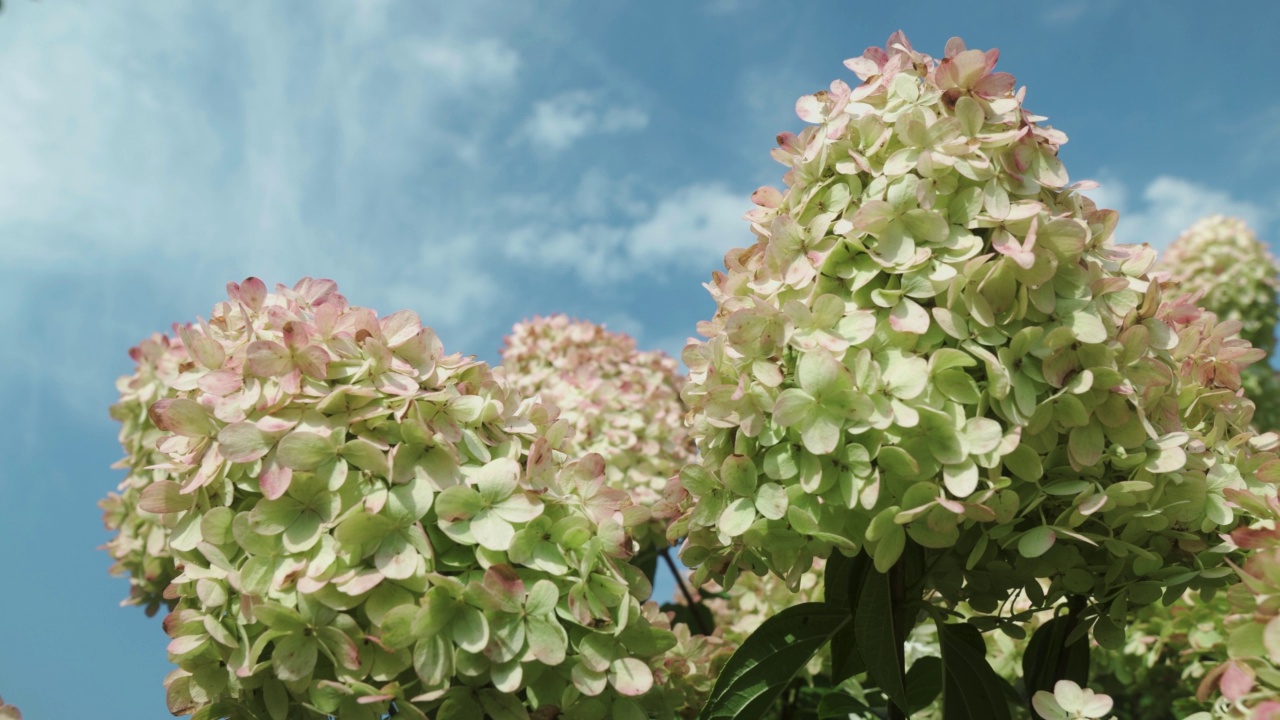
(559, 122)
(691, 227)
(1168, 205)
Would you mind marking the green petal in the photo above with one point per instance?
(294, 657)
(303, 450)
(738, 517)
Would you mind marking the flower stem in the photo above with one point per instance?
(699, 624)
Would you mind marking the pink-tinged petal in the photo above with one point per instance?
(767, 197)
(243, 442)
(251, 293)
(1237, 681)
(164, 496)
(962, 70)
(1005, 243)
(359, 324)
(295, 335)
(274, 481)
(221, 382)
(206, 351)
(873, 216)
(504, 583)
(396, 384)
(995, 85)
(954, 47)
(268, 359)
(315, 290)
(909, 317)
(811, 109)
(181, 416)
(313, 361)
(362, 583)
(863, 67)
(282, 422)
(400, 327)
(1268, 710)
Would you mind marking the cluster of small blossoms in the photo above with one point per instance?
(9, 712)
(363, 525)
(935, 339)
(1069, 701)
(139, 547)
(619, 402)
(1235, 274)
(1247, 683)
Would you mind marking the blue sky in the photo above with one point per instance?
(478, 162)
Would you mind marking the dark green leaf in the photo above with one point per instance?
(924, 682)
(766, 661)
(696, 617)
(647, 563)
(844, 579)
(873, 631)
(1050, 658)
(971, 690)
(839, 705)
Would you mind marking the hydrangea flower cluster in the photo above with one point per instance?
(1234, 275)
(935, 339)
(362, 523)
(1221, 259)
(1069, 701)
(139, 547)
(1247, 683)
(619, 402)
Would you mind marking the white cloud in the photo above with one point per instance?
(1168, 205)
(460, 61)
(1065, 13)
(690, 228)
(560, 121)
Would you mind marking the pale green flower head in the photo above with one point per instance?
(617, 401)
(935, 339)
(360, 523)
(1236, 277)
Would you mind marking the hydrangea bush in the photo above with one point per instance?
(934, 388)
(1246, 684)
(362, 523)
(1236, 276)
(935, 340)
(1221, 261)
(619, 402)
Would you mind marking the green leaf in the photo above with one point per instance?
(839, 706)
(873, 630)
(276, 698)
(924, 683)
(767, 660)
(843, 583)
(1049, 654)
(970, 688)
(1036, 542)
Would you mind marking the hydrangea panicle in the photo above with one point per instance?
(361, 522)
(935, 340)
(139, 547)
(619, 402)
